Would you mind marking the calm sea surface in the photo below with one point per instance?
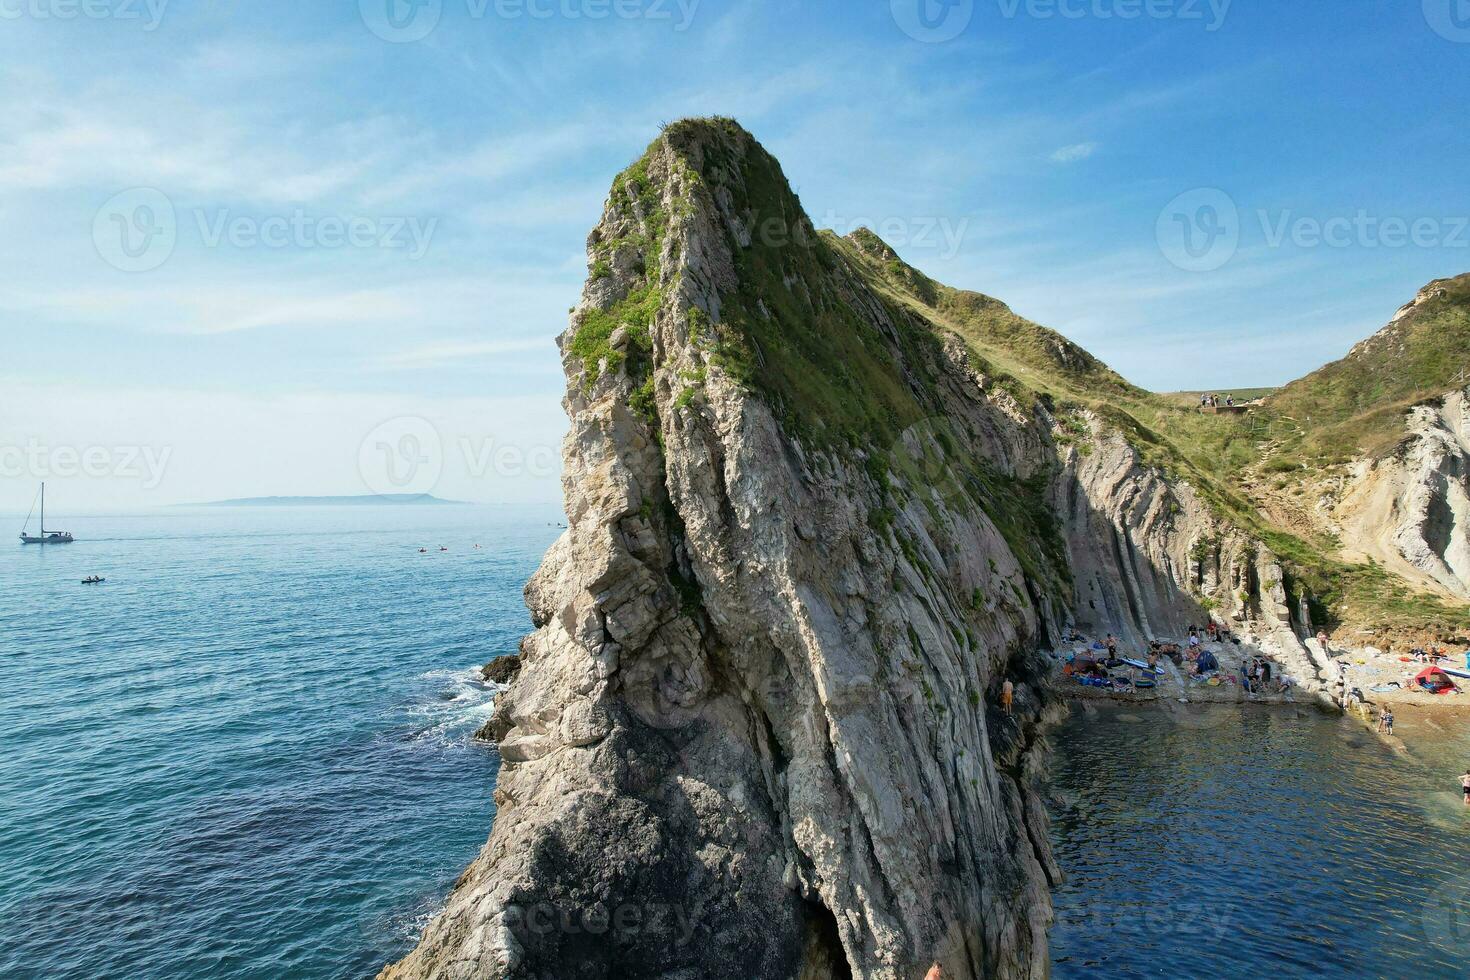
(1235, 842)
(247, 754)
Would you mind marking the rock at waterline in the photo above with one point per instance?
(501, 670)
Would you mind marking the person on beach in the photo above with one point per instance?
(1465, 785)
(1385, 721)
(1007, 695)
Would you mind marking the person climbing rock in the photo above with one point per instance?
(1007, 695)
(936, 972)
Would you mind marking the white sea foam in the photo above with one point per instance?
(462, 702)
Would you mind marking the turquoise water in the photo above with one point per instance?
(1235, 843)
(247, 754)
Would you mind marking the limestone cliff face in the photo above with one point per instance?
(1150, 558)
(1410, 510)
(757, 730)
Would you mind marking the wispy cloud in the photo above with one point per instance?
(458, 353)
(1074, 153)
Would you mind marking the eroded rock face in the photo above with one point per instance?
(1411, 510)
(756, 732)
(1150, 559)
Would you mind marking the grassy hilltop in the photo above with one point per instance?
(797, 330)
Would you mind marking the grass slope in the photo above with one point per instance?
(1216, 452)
(843, 339)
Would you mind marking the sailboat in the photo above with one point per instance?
(46, 537)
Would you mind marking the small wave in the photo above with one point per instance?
(460, 705)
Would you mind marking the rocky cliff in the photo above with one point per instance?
(820, 509)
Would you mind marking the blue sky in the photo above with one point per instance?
(346, 248)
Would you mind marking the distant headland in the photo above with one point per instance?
(359, 500)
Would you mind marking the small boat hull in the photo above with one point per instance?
(48, 539)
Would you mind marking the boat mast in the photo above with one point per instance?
(43, 510)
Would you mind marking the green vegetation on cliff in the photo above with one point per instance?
(844, 340)
(1356, 406)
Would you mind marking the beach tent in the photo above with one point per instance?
(1435, 681)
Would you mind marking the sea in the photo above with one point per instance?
(1244, 841)
(249, 754)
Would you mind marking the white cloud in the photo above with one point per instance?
(1073, 153)
(447, 353)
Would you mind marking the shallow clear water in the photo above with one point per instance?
(1234, 842)
(247, 754)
